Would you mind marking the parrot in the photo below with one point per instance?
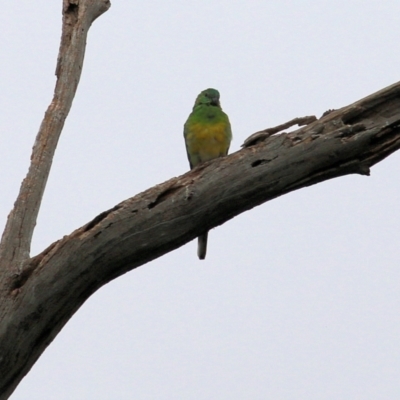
(208, 135)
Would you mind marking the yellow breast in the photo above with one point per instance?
(207, 141)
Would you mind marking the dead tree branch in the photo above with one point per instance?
(78, 16)
(54, 284)
(39, 295)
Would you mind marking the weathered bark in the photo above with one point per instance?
(54, 284)
(78, 16)
(39, 295)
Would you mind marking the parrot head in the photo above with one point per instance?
(209, 97)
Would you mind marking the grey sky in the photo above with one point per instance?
(298, 298)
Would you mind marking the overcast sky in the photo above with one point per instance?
(298, 298)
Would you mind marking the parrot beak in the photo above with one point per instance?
(215, 101)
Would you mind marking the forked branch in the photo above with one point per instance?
(78, 16)
(39, 295)
(15, 265)
(54, 284)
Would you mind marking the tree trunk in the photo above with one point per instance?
(39, 295)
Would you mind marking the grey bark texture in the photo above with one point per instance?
(78, 16)
(39, 295)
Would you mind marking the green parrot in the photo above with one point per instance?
(207, 134)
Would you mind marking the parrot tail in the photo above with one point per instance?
(202, 246)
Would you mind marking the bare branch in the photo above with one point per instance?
(15, 266)
(78, 16)
(266, 133)
(54, 284)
